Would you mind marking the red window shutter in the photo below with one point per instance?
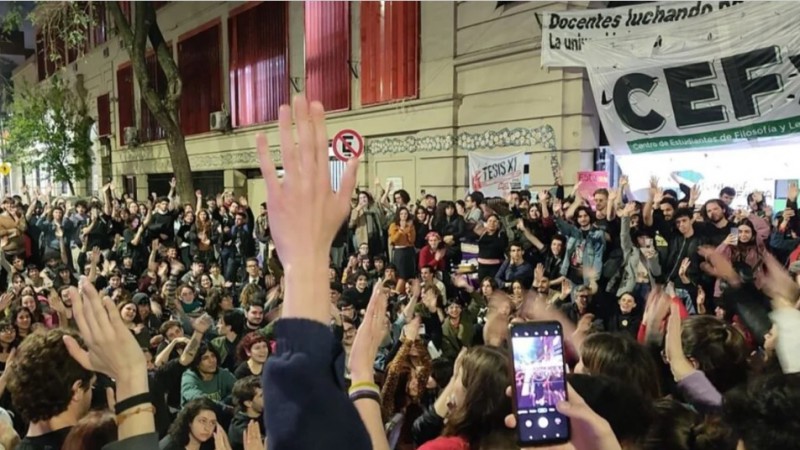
(389, 51)
(125, 100)
(151, 130)
(327, 26)
(259, 63)
(100, 30)
(103, 115)
(199, 66)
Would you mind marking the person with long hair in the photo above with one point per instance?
(476, 419)
(746, 250)
(492, 245)
(131, 318)
(402, 236)
(194, 428)
(8, 341)
(23, 322)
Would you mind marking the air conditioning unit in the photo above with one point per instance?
(131, 137)
(219, 121)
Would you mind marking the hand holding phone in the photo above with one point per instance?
(539, 383)
(734, 236)
(589, 429)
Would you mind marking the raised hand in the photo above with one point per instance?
(305, 191)
(221, 439)
(112, 348)
(718, 266)
(369, 336)
(538, 272)
(252, 437)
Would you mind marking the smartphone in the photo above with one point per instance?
(539, 370)
(735, 234)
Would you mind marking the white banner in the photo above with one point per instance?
(496, 175)
(566, 33)
(695, 90)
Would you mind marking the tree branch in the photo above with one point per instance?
(166, 62)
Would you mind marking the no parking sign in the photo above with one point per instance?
(347, 144)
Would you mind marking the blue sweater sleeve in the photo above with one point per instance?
(305, 403)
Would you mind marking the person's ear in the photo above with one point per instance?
(695, 364)
(79, 389)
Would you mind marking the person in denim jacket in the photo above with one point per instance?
(585, 245)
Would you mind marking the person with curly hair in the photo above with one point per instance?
(49, 388)
(193, 428)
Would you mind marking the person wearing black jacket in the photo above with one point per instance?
(236, 245)
(248, 398)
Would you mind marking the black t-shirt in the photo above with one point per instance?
(48, 441)
(168, 379)
(243, 371)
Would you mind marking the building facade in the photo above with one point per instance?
(424, 82)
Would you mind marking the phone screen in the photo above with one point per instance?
(539, 383)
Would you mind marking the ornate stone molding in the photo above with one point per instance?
(225, 160)
(507, 137)
(490, 139)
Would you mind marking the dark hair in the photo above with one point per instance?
(235, 319)
(601, 191)
(763, 413)
(670, 201)
(678, 427)
(214, 298)
(727, 190)
(491, 280)
(15, 312)
(403, 194)
(43, 374)
(181, 427)
(683, 212)
(245, 390)
(204, 348)
(620, 356)
(586, 210)
(718, 349)
(719, 203)
(626, 410)
(477, 197)
(167, 325)
(92, 432)
(397, 215)
(442, 371)
(247, 342)
(481, 418)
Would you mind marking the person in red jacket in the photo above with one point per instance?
(433, 253)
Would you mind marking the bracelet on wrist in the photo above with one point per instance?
(149, 408)
(131, 402)
(364, 386)
(365, 394)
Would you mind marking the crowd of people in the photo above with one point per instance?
(376, 321)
